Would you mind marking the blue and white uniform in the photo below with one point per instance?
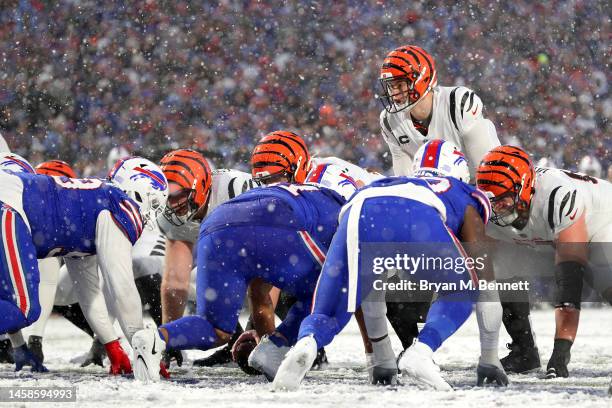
(279, 234)
(43, 217)
(396, 210)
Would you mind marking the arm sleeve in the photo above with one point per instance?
(115, 261)
(84, 275)
(49, 276)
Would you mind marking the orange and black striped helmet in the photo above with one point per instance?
(507, 172)
(56, 168)
(280, 153)
(409, 65)
(189, 175)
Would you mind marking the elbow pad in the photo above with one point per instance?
(569, 277)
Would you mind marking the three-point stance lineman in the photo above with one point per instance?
(278, 235)
(399, 210)
(42, 216)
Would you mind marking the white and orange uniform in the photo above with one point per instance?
(559, 200)
(456, 117)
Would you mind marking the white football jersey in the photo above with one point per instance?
(152, 242)
(456, 117)
(226, 184)
(339, 175)
(559, 200)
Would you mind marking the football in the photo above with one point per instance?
(243, 350)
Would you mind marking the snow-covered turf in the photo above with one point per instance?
(343, 383)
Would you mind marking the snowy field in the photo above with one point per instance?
(343, 383)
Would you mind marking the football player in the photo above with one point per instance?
(48, 268)
(275, 236)
(418, 110)
(568, 210)
(283, 156)
(391, 210)
(110, 218)
(195, 191)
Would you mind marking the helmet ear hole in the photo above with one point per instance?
(138, 197)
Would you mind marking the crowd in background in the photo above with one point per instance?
(79, 77)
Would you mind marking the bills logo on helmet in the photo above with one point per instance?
(16, 163)
(157, 179)
(460, 157)
(347, 180)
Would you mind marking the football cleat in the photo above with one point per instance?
(268, 355)
(23, 356)
(6, 352)
(417, 362)
(35, 346)
(321, 361)
(521, 360)
(148, 347)
(295, 365)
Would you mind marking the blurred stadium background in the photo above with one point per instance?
(80, 77)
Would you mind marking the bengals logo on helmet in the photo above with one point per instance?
(507, 172)
(190, 171)
(280, 153)
(407, 75)
(56, 168)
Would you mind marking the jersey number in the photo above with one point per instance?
(77, 184)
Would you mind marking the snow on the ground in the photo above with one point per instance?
(343, 383)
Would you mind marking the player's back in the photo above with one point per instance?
(294, 206)
(454, 194)
(62, 213)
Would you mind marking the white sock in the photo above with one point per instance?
(16, 339)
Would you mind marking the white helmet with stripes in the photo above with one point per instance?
(15, 163)
(144, 182)
(441, 158)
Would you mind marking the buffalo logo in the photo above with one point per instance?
(12, 163)
(157, 179)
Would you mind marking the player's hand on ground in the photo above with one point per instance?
(95, 355)
(560, 358)
(557, 367)
(23, 356)
(381, 373)
(163, 371)
(120, 362)
(490, 374)
(170, 355)
(246, 337)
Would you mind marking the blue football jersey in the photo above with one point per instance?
(63, 212)
(304, 207)
(454, 194)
